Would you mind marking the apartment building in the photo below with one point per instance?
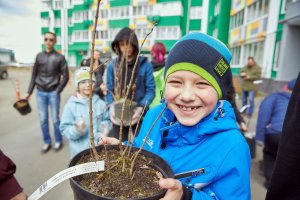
(72, 21)
(256, 29)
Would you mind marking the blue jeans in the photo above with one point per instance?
(249, 95)
(44, 100)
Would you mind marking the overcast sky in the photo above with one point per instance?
(20, 28)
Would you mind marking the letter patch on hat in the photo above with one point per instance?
(221, 68)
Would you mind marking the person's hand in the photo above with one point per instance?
(112, 116)
(103, 88)
(246, 77)
(20, 196)
(108, 140)
(27, 97)
(174, 187)
(136, 115)
(243, 127)
(243, 74)
(80, 126)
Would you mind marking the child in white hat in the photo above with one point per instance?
(75, 121)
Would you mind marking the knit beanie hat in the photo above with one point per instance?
(83, 73)
(203, 55)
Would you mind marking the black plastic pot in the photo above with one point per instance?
(22, 106)
(159, 164)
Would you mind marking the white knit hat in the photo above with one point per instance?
(82, 74)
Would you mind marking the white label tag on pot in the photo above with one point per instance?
(66, 174)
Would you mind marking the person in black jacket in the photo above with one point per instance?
(50, 75)
(98, 69)
(285, 178)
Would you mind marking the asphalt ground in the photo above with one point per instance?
(21, 140)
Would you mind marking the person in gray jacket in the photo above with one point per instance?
(50, 75)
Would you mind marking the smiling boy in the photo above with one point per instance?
(197, 133)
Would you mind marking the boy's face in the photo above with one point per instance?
(84, 88)
(125, 46)
(189, 97)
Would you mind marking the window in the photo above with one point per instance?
(236, 52)
(168, 32)
(45, 5)
(237, 20)
(113, 33)
(196, 12)
(142, 10)
(276, 55)
(217, 9)
(58, 39)
(70, 21)
(215, 33)
(80, 16)
(258, 9)
(102, 35)
(72, 60)
(119, 12)
(70, 41)
(57, 22)
(256, 50)
(57, 4)
(75, 2)
(141, 32)
(80, 36)
(45, 22)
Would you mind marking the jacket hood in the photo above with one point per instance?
(284, 94)
(124, 35)
(221, 119)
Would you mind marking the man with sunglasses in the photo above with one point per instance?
(50, 75)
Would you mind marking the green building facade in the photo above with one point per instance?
(72, 21)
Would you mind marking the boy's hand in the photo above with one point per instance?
(20, 196)
(108, 140)
(174, 187)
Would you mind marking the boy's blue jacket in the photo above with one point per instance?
(145, 84)
(271, 114)
(214, 147)
(76, 108)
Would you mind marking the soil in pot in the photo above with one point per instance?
(115, 184)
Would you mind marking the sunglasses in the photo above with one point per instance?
(49, 39)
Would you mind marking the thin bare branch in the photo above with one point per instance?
(91, 88)
(145, 139)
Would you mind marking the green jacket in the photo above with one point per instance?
(255, 74)
(159, 86)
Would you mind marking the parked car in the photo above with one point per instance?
(3, 71)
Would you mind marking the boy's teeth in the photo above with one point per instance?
(187, 108)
